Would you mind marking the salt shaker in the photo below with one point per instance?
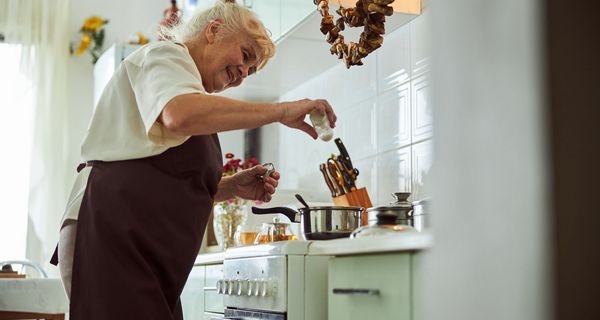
(321, 124)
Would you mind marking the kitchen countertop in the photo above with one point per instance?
(209, 258)
(33, 295)
(404, 241)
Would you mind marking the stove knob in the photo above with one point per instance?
(225, 286)
(264, 288)
(241, 285)
(250, 288)
(232, 287)
(219, 286)
(257, 284)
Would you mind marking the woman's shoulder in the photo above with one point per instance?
(158, 50)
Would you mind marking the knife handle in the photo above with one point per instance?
(344, 156)
(323, 169)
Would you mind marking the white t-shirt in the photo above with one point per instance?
(123, 125)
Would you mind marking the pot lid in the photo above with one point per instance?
(401, 203)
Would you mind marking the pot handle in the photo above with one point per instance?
(290, 213)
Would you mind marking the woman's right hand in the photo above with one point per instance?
(295, 112)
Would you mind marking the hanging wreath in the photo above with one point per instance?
(369, 14)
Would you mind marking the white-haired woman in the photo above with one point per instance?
(152, 165)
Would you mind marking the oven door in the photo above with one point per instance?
(241, 314)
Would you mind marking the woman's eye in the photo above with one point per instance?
(246, 55)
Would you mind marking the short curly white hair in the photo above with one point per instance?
(235, 18)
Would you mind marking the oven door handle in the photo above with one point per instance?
(365, 292)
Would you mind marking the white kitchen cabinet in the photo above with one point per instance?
(213, 302)
(199, 298)
(374, 286)
(192, 297)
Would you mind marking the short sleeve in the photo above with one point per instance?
(164, 72)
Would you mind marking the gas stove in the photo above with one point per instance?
(274, 281)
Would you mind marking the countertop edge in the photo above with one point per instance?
(368, 245)
(209, 258)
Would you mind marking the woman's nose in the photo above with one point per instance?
(243, 70)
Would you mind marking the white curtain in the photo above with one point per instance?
(41, 27)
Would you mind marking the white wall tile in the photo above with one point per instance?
(393, 174)
(358, 129)
(346, 87)
(422, 109)
(422, 160)
(393, 59)
(367, 176)
(393, 118)
(420, 44)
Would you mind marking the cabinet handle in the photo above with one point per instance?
(366, 292)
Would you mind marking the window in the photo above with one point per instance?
(16, 104)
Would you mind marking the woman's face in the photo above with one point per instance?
(228, 60)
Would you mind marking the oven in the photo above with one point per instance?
(281, 284)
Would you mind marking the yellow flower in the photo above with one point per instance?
(85, 43)
(142, 39)
(93, 23)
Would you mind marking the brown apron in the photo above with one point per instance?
(139, 230)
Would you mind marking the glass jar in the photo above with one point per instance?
(275, 231)
(245, 235)
(227, 217)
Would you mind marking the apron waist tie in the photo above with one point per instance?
(87, 164)
(54, 258)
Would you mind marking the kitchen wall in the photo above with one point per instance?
(384, 119)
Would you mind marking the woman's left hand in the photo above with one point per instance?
(249, 186)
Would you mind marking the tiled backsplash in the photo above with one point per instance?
(384, 119)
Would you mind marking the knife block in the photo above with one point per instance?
(356, 198)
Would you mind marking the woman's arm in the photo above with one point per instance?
(226, 189)
(246, 185)
(202, 114)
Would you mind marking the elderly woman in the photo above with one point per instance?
(153, 165)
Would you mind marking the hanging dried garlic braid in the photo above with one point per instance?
(369, 14)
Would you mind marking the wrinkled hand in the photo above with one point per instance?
(249, 186)
(296, 111)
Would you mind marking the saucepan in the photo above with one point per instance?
(320, 223)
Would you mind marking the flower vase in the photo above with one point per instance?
(227, 217)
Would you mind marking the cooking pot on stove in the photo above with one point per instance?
(322, 222)
(406, 213)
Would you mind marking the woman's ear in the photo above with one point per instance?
(211, 30)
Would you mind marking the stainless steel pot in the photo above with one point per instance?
(407, 213)
(320, 223)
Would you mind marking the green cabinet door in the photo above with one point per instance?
(370, 287)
